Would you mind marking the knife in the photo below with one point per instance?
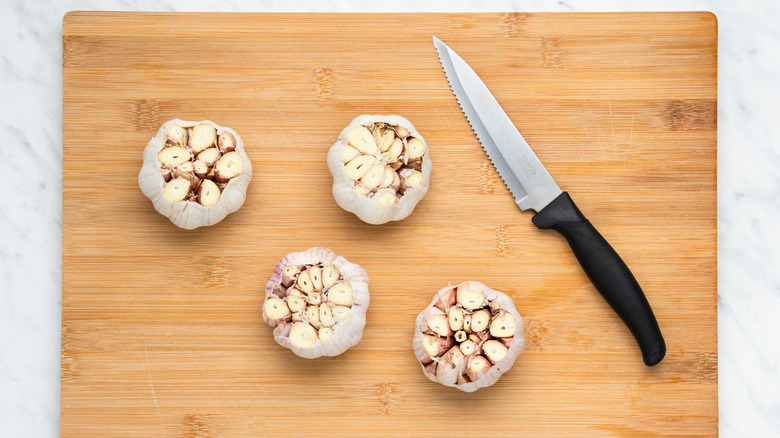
(534, 188)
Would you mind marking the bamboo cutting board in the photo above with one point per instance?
(161, 327)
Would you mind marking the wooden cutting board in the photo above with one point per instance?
(161, 327)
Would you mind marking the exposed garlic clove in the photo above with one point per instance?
(470, 299)
(359, 166)
(200, 168)
(304, 282)
(296, 304)
(176, 190)
(208, 193)
(202, 137)
(172, 154)
(435, 346)
(315, 273)
(313, 314)
(373, 177)
(275, 308)
(314, 298)
(415, 149)
(480, 320)
(209, 156)
(393, 152)
(439, 325)
(366, 168)
(362, 139)
(455, 318)
(467, 347)
(467, 323)
(384, 136)
(341, 312)
(289, 274)
(341, 294)
(388, 176)
(186, 170)
(410, 179)
(294, 291)
(176, 136)
(401, 131)
(325, 334)
(226, 142)
(348, 154)
(326, 315)
(330, 275)
(474, 360)
(503, 325)
(331, 319)
(228, 167)
(303, 335)
(494, 350)
(385, 197)
(477, 367)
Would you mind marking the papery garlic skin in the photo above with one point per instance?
(458, 359)
(189, 213)
(374, 197)
(336, 324)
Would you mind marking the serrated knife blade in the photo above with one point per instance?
(534, 188)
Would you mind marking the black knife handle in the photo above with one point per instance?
(608, 273)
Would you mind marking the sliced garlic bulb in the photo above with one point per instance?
(381, 168)
(468, 336)
(316, 302)
(208, 156)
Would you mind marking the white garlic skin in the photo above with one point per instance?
(515, 348)
(347, 333)
(368, 210)
(191, 215)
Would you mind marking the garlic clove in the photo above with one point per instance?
(473, 356)
(359, 166)
(349, 153)
(228, 167)
(226, 142)
(202, 137)
(325, 322)
(176, 136)
(172, 154)
(362, 139)
(208, 193)
(503, 325)
(176, 190)
(209, 156)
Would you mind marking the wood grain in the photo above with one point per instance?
(161, 328)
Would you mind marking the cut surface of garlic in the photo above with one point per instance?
(468, 336)
(209, 158)
(316, 302)
(381, 168)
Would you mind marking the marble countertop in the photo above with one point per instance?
(748, 194)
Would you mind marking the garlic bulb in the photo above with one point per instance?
(468, 336)
(381, 168)
(195, 173)
(316, 302)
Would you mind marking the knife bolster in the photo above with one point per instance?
(562, 209)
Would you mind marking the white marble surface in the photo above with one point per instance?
(748, 194)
